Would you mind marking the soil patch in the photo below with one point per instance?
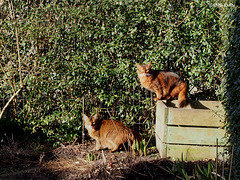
(78, 161)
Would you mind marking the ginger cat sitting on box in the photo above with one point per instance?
(166, 85)
(109, 134)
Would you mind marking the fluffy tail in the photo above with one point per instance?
(136, 136)
(133, 136)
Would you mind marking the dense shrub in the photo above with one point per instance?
(75, 49)
(232, 96)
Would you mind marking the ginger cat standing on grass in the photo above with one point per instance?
(109, 134)
(166, 85)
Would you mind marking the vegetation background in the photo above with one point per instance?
(54, 53)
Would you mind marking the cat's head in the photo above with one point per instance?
(144, 68)
(91, 122)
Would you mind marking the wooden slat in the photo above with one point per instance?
(188, 152)
(192, 135)
(188, 131)
(191, 153)
(193, 117)
(213, 105)
(161, 120)
(162, 147)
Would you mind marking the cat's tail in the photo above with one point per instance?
(137, 136)
(182, 100)
(133, 136)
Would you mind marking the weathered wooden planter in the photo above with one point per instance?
(189, 133)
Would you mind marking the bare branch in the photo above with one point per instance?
(9, 101)
(18, 49)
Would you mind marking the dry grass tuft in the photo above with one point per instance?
(76, 161)
(72, 160)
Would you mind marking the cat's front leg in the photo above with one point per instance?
(159, 96)
(156, 99)
(115, 148)
(98, 145)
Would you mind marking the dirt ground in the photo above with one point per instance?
(78, 161)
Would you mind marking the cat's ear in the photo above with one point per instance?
(85, 118)
(148, 66)
(139, 67)
(95, 117)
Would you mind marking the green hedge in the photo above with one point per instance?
(70, 49)
(232, 89)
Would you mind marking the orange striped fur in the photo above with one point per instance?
(166, 85)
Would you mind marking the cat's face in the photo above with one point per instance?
(144, 69)
(90, 122)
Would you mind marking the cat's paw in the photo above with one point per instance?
(94, 149)
(168, 97)
(156, 99)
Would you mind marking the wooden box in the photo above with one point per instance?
(191, 132)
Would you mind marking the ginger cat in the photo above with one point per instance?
(109, 134)
(166, 85)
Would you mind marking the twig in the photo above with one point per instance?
(103, 157)
(217, 175)
(230, 171)
(223, 162)
(149, 171)
(75, 140)
(171, 173)
(120, 177)
(18, 49)
(149, 140)
(107, 172)
(139, 173)
(216, 158)
(10, 100)
(83, 100)
(19, 68)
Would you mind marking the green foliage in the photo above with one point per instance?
(178, 169)
(196, 170)
(71, 49)
(91, 157)
(139, 148)
(231, 95)
(205, 172)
